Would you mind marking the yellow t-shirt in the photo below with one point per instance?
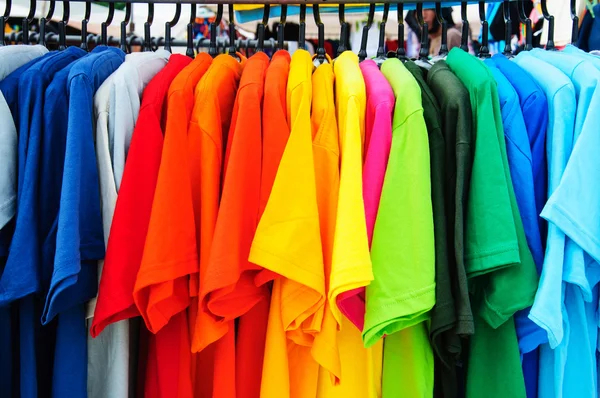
(288, 242)
(351, 265)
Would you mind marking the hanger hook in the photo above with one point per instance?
(507, 28)
(260, 44)
(62, 26)
(381, 47)
(281, 27)
(400, 52)
(124, 23)
(169, 25)
(444, 24)
(190, 31)
(26, 21)
(84, 23)
(43, 21)
(527, 22)
(212, 48)
(550, 43)
(320, 50)
(362, 54)
(147, 25)
(3, 19)
(344, 30)
(232, 37)
(302, 28)
(105, 24)
(424, 50)
(575, 18)
(464, 37)
(484, 51)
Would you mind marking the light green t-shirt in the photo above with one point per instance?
(502, 275)
(399, 299)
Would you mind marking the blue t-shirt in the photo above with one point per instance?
(574, 51)
(21, 276)
(79, 236)
(576, 216)
(535, 112)
(520, 161)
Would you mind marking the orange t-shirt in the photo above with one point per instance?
(228, 281)
(170, 254)
(215, 95)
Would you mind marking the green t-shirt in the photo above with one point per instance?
(503, 278)
(399, 299)
(456, 122)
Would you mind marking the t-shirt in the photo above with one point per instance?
(592, 56)
(134, 204)
(79, 238)
(535, 106)
(128, 234)
(499, 262)
(548, 308)
(443, 320)
(14, 56)
(229, 276)
(109, 353)
(378, 140)
(403, 292)
(23, 273)
(455, 110)
(581, 272)
(351, 264)
(288, 242)
(125, 96)
(520, 163)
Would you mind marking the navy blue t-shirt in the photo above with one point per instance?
(79, 234)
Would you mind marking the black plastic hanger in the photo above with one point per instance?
(424, 50)
(362, 54)
(527, 22)
(401, 52)
(3, 19)
(147, 26)
(260, 44)
(484, 50)
(26, 21)
(344, 30)
(123, 41)
(550, 19)
(507, 29)
(444, 25)
(381, 56)
(104, 26)
(302, 28)
(44, 20)
(62, 26)
(84, 22)
(464, 37)
(281, 27)
(575, 19)
(320, 50)
(170, 24)
(232, 48)
(212, 47)
(190, 32)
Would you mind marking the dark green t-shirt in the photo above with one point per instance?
(456, 127)
(502, 275)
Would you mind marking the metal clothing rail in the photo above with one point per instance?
(221, 43)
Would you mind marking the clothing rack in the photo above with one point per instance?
(53, 38)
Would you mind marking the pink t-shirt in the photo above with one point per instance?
(378, 140)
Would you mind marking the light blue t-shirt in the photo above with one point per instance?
(572, 50)
(575, 215)
(548, 310)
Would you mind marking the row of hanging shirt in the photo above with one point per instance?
(274, 223)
